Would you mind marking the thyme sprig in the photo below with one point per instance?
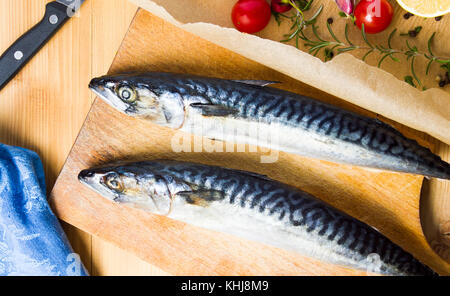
(385, 51)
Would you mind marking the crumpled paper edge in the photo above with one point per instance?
(345, 76)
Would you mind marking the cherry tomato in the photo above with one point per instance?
(279, 7)
(376, 15)
(251, 16)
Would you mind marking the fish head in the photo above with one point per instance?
(130, 185)
(141, 97)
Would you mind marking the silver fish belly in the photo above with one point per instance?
(248, 112)
(253, 207)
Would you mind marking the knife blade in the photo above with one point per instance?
(57, 13)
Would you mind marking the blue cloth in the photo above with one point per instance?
(32, 241)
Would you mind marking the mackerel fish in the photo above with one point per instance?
(249, 112)
(253, 207)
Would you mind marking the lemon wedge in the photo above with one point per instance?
(426, 8)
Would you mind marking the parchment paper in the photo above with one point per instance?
(346, 76)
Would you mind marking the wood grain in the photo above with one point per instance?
(388, 201)
(37, 113)
(44, 107)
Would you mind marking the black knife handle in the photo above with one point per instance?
(16, 56)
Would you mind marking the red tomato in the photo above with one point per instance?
(279, 7)
(251, 16)
(376, 15)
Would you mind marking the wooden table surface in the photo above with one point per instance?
(44, 107)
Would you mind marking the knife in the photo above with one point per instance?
(57, 13)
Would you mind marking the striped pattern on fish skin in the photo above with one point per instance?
(332, 234)
(369, 142)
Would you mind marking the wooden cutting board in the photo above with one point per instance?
(385, 200)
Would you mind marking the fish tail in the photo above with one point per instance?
(423, 270)
(446, 175)
(439, 169)
(429, 163)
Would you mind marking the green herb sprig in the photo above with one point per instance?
(411, 53)
(299, 23)
(329, 47)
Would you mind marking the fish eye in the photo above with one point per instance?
(113, 182)
(127, 94)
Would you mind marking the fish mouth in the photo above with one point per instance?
(92, 180)
(97, 86)
(96, 82)
(85, 175)
(88, 178)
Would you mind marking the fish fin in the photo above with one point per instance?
(214, 110)
(201, 197)
(389, 127)
(261, 83)
(376, 170)
(255, 175)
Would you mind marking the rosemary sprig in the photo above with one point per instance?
(315, 46)
(299, 23)
(411, 53)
